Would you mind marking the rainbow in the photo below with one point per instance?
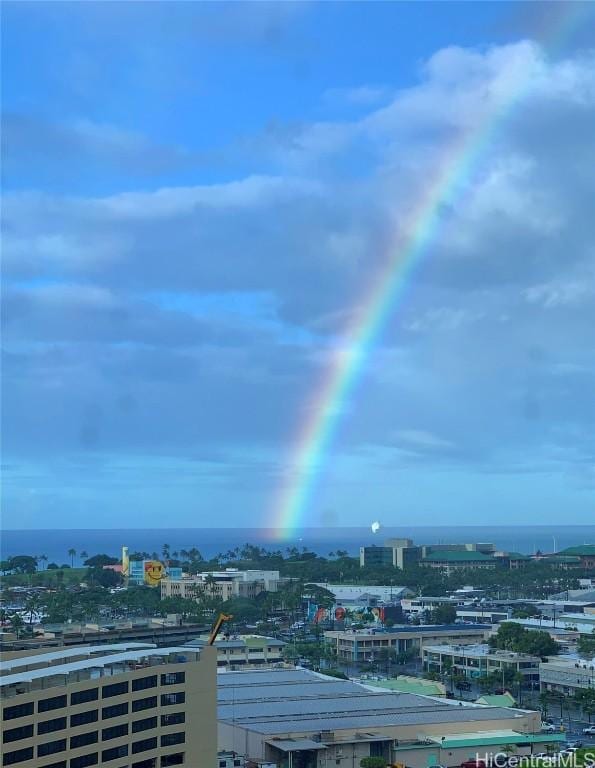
(408, 248)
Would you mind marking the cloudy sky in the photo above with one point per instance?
(196, 197)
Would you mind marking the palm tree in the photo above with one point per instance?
(17, 623)
(72, 555)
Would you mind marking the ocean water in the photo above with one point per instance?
(210, 541)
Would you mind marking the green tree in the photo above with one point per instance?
(586, 647)
(443, 614)
(72, 555)
(17, 624)
(372, 762)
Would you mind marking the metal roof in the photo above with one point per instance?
(91, 663)
(298, 701)
(65, 653)
(293, 745)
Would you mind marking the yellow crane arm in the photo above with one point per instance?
(217, 626)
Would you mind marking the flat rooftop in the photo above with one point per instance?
(480, 650)
(274, 702)
(72, 652)
(94, 667)
(427, 629)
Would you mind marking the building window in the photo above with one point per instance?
(144, 745)
(51, 748)
(80, 697)
(84, 761)
(20, 710)
(144, 725)
(169, 739)
(174, 719)
(173, 678)
(144, 682)
(10, 758)
(115, 689)
(114, 732)
(92, 737)
(49, 726)
(114, 752)
(176, 759)
(167, 699)
(59, 764)
(16, 734)
(150, 763)
(148, 703)
(82, 718)
(56, 702)
(116, 710)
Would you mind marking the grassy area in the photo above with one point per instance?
(47, 578)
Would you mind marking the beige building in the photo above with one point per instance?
(224, 585)
(245, 651)
(299, 718)
(567, 675)
(367, 645)
(479, 660)
(129, 704)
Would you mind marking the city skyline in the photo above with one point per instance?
(199, 201)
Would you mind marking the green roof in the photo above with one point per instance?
(564, 558)
(456, 556)
(517, 556)
(502, 700)
(485, 738)
(583, 549)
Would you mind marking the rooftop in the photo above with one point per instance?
(275, 702)
(481, 649)
(414, 629)
(456, 556)
(110, 665)
(54, 657)
(585, 550)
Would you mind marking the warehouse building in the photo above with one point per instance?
(127, 704)
(306, 720)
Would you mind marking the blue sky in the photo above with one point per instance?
(195, 195)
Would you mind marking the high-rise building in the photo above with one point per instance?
(129, 704)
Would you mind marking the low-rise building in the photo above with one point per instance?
(567, 675)
(369, 645)
(451, 561)
(109, 705)
(245, 651)
(295, 717)
(479, 660)
(225, 584)
(584, 552)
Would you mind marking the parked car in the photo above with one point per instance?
(548, 728)
(589, 730)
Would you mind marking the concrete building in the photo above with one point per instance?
(245, 651)
(477, 660)
(365, 645)
(157, 631)
(365, 594)
(305, 720)
(225, 584)
(451, 561)
(403, 553)
(150, 572)
(566, 675)
(127, 704)
(585, 553)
